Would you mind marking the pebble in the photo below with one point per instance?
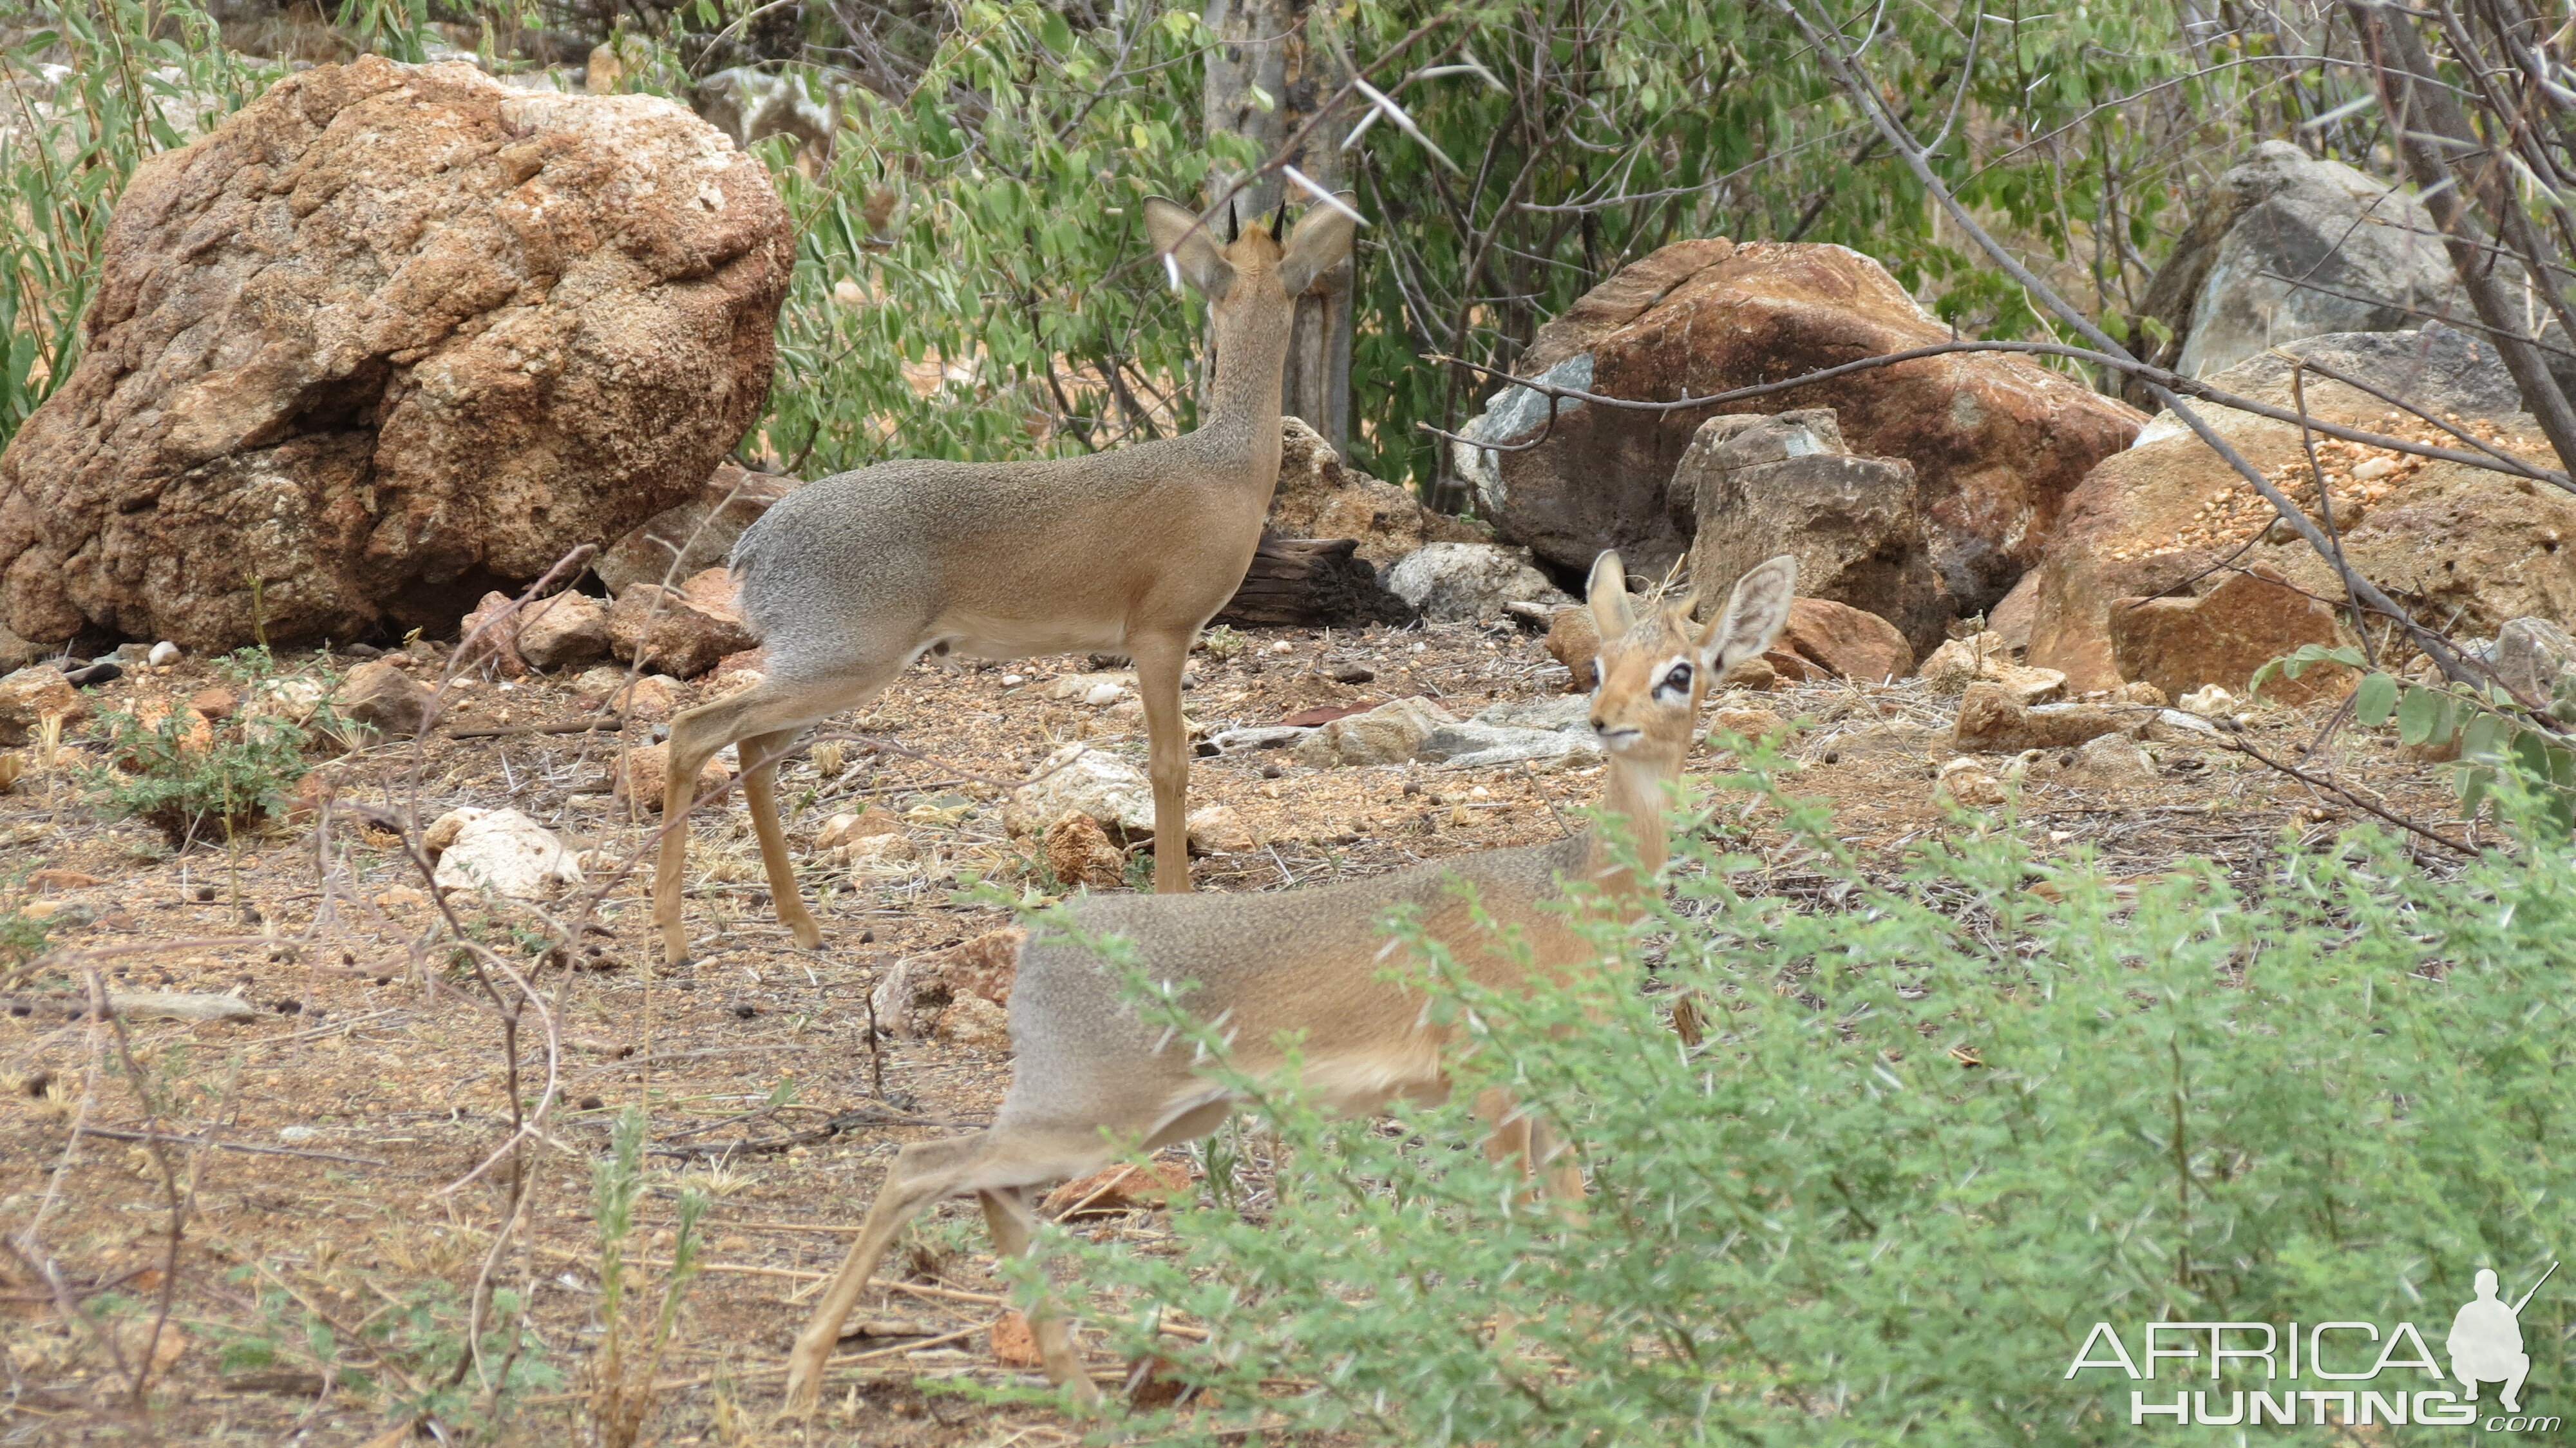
(163, 655)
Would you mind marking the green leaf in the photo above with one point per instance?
(2373, 700)
(1055, 32)
(2417, 714)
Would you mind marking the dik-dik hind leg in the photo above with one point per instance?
(1014, 1226)
(771, 707)
(1158, 683)
(760, 755)
(1545, 1161)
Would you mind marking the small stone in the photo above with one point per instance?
(1218, 830)
(443, 830)
(384, 698)
(1388, 734)
(1078, 852)
(163, 655)
(2209, 702)
(1078, 777)
(2112, 761)
(975, 1024)
(842, 829)
(1353, 674)
(566, 631)
(642, 774)
(1100, 695)
(1961, 662)
(880, 856)
(1755, 674)
(1991, 721)
(215, 702)
(1014, 1342)
(1751, 723)
(31, 696)
(1967, 782)
(683, 631)
(508, 854)
(489, 638)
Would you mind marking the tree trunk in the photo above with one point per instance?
(1262, 45)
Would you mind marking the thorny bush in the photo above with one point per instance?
(1941, 1125)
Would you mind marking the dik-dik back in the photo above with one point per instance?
(1306, 961)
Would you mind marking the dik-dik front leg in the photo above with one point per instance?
(1158, 684)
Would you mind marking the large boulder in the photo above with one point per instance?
(1996, 441)
(691, 537)
(2223, 637)
(391, 337)
(1761, 486)
(1321, 496)
(2463, 548)
(2288, 246)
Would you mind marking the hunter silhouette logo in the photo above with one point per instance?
(2486, 1342)
(2346, 1373)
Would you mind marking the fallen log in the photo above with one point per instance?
(1312, 583)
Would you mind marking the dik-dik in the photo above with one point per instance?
(851, 579)
(1089, 1077)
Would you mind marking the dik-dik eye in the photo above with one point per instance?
(1676, 680)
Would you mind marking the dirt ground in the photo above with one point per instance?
(327, 1154)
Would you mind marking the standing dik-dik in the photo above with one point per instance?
(1090, 1078)
(851, 579)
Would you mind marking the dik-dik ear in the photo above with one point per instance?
(1753, 616)
(1178, 234)
(1321, 242)
(1607, 592)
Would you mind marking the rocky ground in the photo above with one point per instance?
(327, 1146)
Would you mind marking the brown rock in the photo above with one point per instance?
(1574, 640)
(566, 631)
(1078, 852)
(1845, 642)
(683, 632)
(683, 541)
(214, 701)
(383, 698)
(386, 338)
(1996, 442)
(1751, 723)
(2223, 636)
(1761, 486)
(1961, 662)
(2463, 548)
(17, 653)
(488, 638)
(643, 772)
(1990, 722)
(1320, 496)
(1755, 674)
(750, 661)
(31, 696)
(1120, 1188)
(652, 698)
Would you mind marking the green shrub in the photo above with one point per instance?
(205, 785)
(1942, 1125)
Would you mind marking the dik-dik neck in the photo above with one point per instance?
(1632, 802)
(1243, 400)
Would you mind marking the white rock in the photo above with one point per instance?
(1387, 734)
(1965, 781)
(1565, 713)
(2209, 701)
(2111, 759)
(1083, 686)
(1468, 580)
(1476, 745)
(505, 853)
(181, 1006)
(1013, 681)
(1103, 694)
(163, 655)
(294, 698)
(1078, 777)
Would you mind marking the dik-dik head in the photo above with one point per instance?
(1655, 669)
(1250, 274)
